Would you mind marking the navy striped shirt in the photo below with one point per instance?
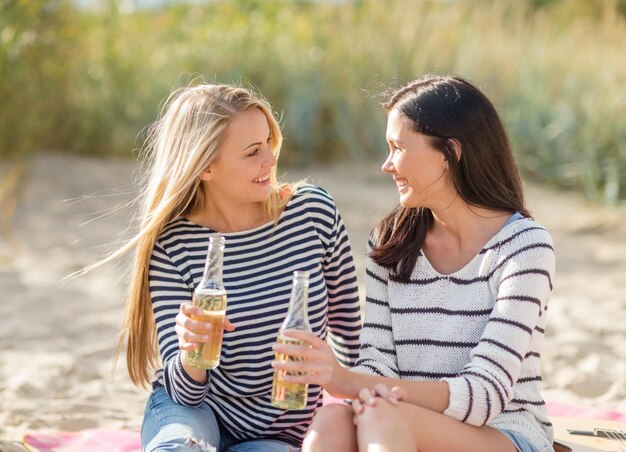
(258, 269)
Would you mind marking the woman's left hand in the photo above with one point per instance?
(317, 364)
(367, 397)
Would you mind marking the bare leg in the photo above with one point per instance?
(411, 428)
(383, 428)
(332, 430)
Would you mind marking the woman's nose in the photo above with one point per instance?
(270, 158)
(388, 165)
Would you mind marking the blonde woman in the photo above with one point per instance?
(211, 159)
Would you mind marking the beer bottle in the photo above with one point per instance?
(292, 396)
(210, 295)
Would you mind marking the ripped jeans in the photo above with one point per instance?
(168, 426)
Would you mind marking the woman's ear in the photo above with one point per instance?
(207, 174)
(458, 149)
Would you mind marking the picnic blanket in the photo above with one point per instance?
(111, 440)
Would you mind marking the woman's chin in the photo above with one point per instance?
(407, 202)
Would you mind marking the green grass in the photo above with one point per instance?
(90, 82)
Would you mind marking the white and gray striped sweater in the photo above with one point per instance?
(479, 329)
(258, 271)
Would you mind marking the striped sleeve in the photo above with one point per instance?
(344, 313)
(168, 290)
(378, 352)
(523, 282)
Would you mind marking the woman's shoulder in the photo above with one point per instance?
(312, 194)
(180, 230)
(311, 190)
(530, 225)
(522, 233)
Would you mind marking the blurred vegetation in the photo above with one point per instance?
(88, 81)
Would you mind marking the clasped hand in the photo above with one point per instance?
(368, 397)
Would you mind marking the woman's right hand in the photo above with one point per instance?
(192, 332)
(367, 397)
(317, 364)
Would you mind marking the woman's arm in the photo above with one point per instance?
(378, 350)
(377, 359)
(344, 312)
(321, 367)
(522, 278)
(168, 291)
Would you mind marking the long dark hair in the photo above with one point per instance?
(446, 108)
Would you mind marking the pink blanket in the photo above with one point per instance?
(109, 440)
(564, 409)
(93, 440)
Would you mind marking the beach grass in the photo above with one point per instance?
(89, 81)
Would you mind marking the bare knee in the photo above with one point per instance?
(384, 425)
(332, 429)
(383, 415)
(331, 417)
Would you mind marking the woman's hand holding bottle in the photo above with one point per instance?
(192, 333)
(316, 364)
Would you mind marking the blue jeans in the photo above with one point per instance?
(168, 426)
(521, 443)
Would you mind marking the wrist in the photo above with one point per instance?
(342, 386)
(198, 375)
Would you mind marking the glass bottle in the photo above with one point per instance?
(292, 396)
(210, 295)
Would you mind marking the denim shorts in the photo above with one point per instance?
(168, 426)
(520, 441)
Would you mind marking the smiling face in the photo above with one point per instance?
(418, 169)
(241, 172)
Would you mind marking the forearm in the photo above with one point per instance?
(318, 365)
(433, 395)
(198, 375)
(181, 386)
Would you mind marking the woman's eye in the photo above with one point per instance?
(253, 153)
(269, 139)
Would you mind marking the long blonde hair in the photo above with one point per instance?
(182, 142)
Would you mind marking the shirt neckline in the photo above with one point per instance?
(485, 248)
(255, 229)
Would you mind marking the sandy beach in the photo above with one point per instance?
(57, 339)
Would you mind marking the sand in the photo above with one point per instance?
(57, 339)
